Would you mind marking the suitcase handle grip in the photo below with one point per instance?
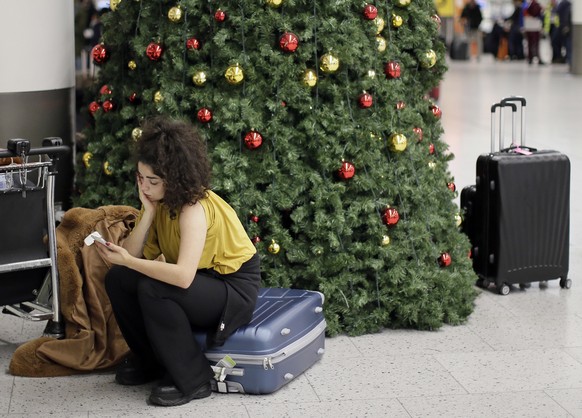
(522, 102)
(494, 108)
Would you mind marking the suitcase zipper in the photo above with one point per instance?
(269, 361)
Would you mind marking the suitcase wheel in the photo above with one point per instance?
(565, 283)
(483, 283)
(524, 285)
(503, 289)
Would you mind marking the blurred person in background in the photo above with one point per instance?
(471, 18)
(533, 25)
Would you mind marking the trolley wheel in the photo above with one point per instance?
(565, 283)
(524, 285)
(504, 289)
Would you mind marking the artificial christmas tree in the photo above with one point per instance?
(322, 135)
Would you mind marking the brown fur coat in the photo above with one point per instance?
(92, 338)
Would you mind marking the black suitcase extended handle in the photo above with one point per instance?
(508, 102)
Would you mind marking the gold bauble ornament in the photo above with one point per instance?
(431, 165)
(379, 22)
(380, 43)
(309, 78)
(136, 133)
(274, 3)
(234, 74)
(398, 142)
(158, 97)
(199, 78)
(329, 63)
(385, 240)
(429, 59)
(132, 65)
(107, 169)
(87, 159)
(397, 20)
(114, 4)
(274, 248)
(403, 3)
(175, 14)
(458, 219)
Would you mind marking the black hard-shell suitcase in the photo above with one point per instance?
(518, 216)
(459, 49)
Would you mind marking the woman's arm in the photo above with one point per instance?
(181, 274)
(136, 240)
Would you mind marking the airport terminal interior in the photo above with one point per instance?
(518, 355)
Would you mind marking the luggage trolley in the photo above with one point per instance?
(29, 280)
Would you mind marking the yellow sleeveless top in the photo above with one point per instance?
(227, 244)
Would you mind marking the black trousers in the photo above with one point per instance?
(156, 320)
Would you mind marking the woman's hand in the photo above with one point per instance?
(149, 206)
(113, 254)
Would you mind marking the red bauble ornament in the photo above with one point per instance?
(370, 12)
(284, 103)
(346, 171)
(400, 105)
(133, 98)
(253, 140)
(192, 44)
(288, 42)
(445, 260)
(365, 100)
(451, 186)
(204, 115)
(108, 106)
(256, 239)
(392, 69)
(104, 90)
(99, 54)
(418, 132)
(94, 107)
(219, 16)
(391, 216)
(436, 111)
(436, 19)
(254, 218)
(431, 149)
(154, 51)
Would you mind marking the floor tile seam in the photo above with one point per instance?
(521, 321)
(11, 394)
(571, 356)
(405, 408)
(512, 352)
(474, 394)
(558, 403)
(470, 327)
(401, 399)
(450, 373)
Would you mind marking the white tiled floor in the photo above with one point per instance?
(518, 356)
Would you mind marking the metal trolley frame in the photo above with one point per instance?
(29, 278)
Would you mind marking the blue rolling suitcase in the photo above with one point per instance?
(518, 213)
(285, 337)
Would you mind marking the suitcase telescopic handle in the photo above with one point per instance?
(493, 111)
(522, 102)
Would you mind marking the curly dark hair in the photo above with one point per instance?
(175, 152)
